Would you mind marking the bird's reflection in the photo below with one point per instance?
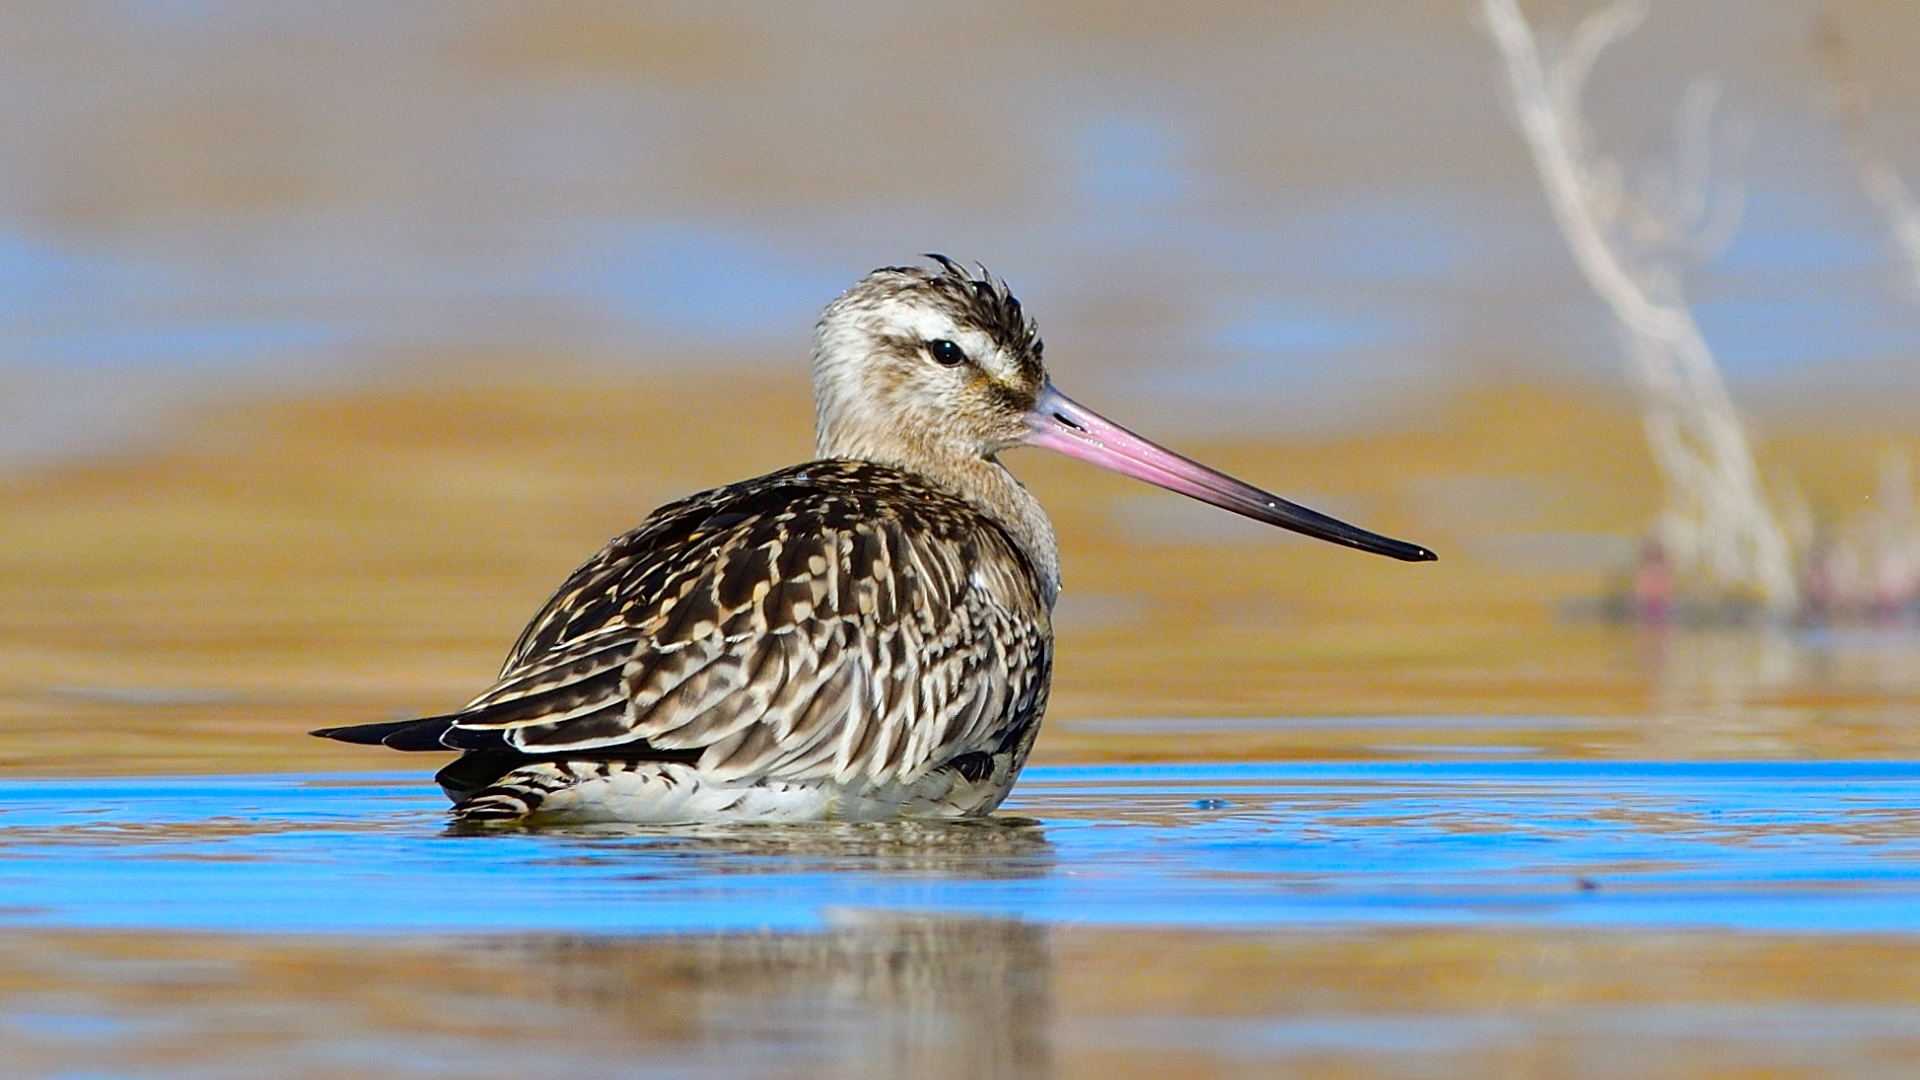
(868, 995)
(991, 847)
(876, 994)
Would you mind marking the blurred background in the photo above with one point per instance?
(333, 336)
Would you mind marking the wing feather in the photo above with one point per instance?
(795, 627)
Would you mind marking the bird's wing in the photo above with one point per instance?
(790, 629)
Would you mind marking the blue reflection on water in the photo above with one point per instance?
(1773, 335)
(1287, 328)
(702, 281)
(1802, 846)
(181, 348)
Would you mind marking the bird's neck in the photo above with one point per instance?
(988, 487)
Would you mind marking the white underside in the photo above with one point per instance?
(665, 793)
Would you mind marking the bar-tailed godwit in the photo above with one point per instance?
(866, 635)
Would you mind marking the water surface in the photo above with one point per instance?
(1393, 919)
(1760, 846)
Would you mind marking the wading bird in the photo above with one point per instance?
(866, 635)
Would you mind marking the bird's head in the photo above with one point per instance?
(936, 370)
(914, 366)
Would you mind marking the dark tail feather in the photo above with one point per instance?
(363, 734)
(420, 734)
(486, 727)
(431, 732)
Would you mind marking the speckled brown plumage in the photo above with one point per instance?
(837, 620)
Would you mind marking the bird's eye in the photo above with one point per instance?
(946, 353)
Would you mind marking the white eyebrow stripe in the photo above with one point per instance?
(981, 350)
(930, 325)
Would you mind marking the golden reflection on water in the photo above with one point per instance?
(337, 559)
(888, 996)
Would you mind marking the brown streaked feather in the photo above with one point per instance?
(837, 619)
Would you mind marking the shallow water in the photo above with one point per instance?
(1390, 919)
(1796, 846)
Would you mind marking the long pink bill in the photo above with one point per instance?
(1059, 423)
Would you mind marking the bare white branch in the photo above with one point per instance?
(1716, 525)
